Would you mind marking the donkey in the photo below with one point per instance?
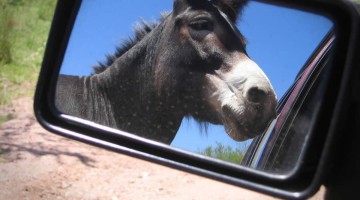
(192, 63)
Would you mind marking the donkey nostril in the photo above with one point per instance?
(256, 95)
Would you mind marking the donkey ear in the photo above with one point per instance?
(232, 8)
(181, 5)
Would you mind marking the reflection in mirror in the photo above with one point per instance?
(204, 77)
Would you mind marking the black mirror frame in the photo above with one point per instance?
(346, 18)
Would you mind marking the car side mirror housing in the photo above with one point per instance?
(202, 66)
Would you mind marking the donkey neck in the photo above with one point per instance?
(129, 87)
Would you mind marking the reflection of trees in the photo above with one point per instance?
(226, 153)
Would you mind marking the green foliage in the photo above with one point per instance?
(4, 118)
(4, 151)
(224, 153)
(6, 25)
(3, 155)
(24, 27)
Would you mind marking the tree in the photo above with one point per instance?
(227, 153)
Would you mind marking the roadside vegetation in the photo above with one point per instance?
(226, 153)
(24, 28)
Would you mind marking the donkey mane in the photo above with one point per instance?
(141, 30)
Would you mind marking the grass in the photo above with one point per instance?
(4, 118)
(24, 27)
(3, 155)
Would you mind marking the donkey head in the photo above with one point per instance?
(206, 61)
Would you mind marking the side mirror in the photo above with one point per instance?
(264, 80)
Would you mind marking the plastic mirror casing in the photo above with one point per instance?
(345, 18)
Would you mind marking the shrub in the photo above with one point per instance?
(226, 153)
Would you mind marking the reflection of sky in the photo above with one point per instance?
(279, 41)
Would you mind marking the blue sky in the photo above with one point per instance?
(279, 40)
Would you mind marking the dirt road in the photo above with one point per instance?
(36, 164)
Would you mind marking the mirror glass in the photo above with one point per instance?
(204, 66)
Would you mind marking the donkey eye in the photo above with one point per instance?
(201, 25)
